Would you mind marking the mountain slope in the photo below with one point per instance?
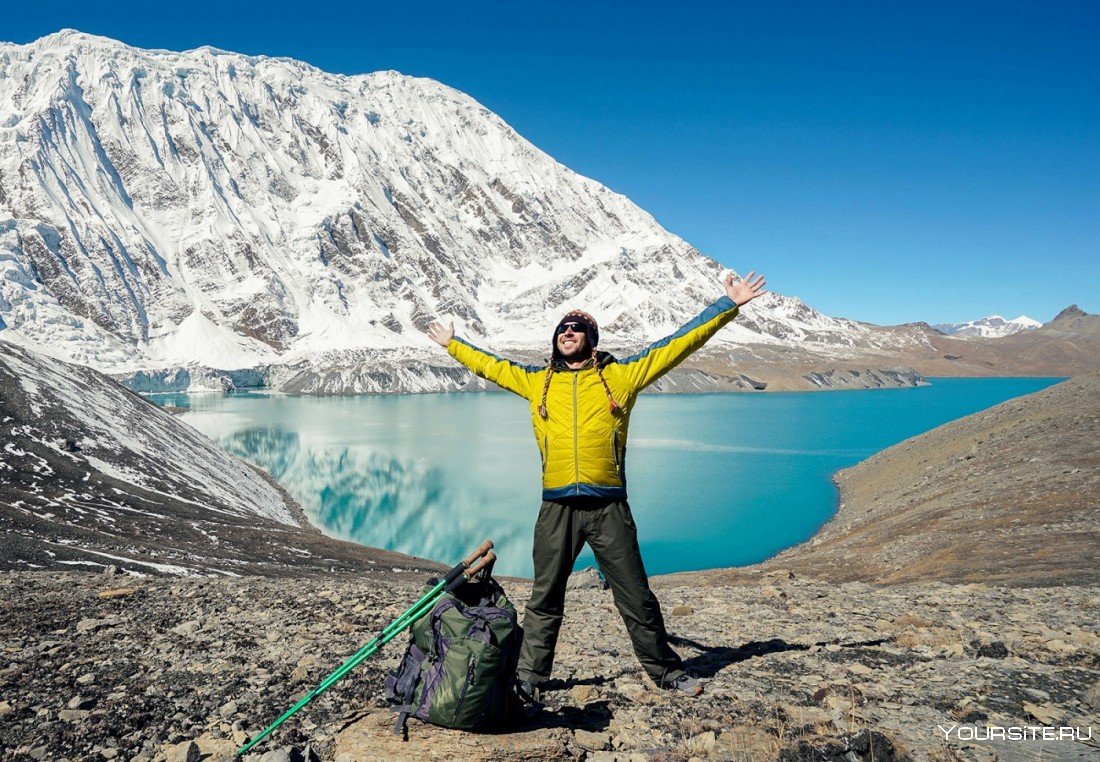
(160, 208)
(92, 475)
(1068, 345)
(1005, 496)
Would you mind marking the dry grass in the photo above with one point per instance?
(931, 636)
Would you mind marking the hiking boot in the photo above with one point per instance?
(685, 683)
(528, 692)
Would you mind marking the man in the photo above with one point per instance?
(580, 409)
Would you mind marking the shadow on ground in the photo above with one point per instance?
(713, 659)
(592, 717)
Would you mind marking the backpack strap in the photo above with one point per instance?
(407, 707)
(412, 667)
(435, 624)
(400, 726)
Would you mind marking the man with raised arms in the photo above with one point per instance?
(581, 402)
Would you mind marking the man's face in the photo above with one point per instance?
(572, 341)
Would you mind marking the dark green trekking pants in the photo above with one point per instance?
(608, 528)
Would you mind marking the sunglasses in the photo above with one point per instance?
(573, 327)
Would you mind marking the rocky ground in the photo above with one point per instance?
(886, 637)
(111, 667)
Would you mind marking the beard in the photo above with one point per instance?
(579, 351)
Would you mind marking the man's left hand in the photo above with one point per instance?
(746, 289)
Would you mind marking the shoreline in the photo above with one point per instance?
(432, 375)
(928, 381)
(1007, 495)
(838, 499)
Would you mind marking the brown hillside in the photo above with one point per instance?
(1010, 495)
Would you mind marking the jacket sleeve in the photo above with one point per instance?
(504, 373)
(662, 356)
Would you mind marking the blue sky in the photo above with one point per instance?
(888, 162)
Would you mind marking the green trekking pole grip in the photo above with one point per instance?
(455, 577)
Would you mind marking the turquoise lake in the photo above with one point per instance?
(715, 480)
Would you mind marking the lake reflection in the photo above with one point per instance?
(372, 498)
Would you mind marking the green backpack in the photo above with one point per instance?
(460, 666)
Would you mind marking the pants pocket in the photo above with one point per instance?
(628, 517)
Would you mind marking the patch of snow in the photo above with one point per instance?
(198, 339)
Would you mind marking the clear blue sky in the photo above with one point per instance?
(884, 161)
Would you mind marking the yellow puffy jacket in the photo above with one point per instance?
(583, 444)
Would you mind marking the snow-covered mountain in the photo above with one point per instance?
(161, 208)
(991, 327)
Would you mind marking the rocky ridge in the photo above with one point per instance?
(1068, 345)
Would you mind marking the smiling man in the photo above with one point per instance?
(580, 409)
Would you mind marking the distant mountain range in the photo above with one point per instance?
(991, 327)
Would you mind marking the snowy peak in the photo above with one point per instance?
(161, 208)
(993, 326)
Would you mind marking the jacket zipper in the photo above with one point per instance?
(615, 453)
(576, 448)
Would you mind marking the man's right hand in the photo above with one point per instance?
(441, 335)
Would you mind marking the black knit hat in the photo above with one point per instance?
(591, 330)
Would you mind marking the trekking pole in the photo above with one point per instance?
(455, 577)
